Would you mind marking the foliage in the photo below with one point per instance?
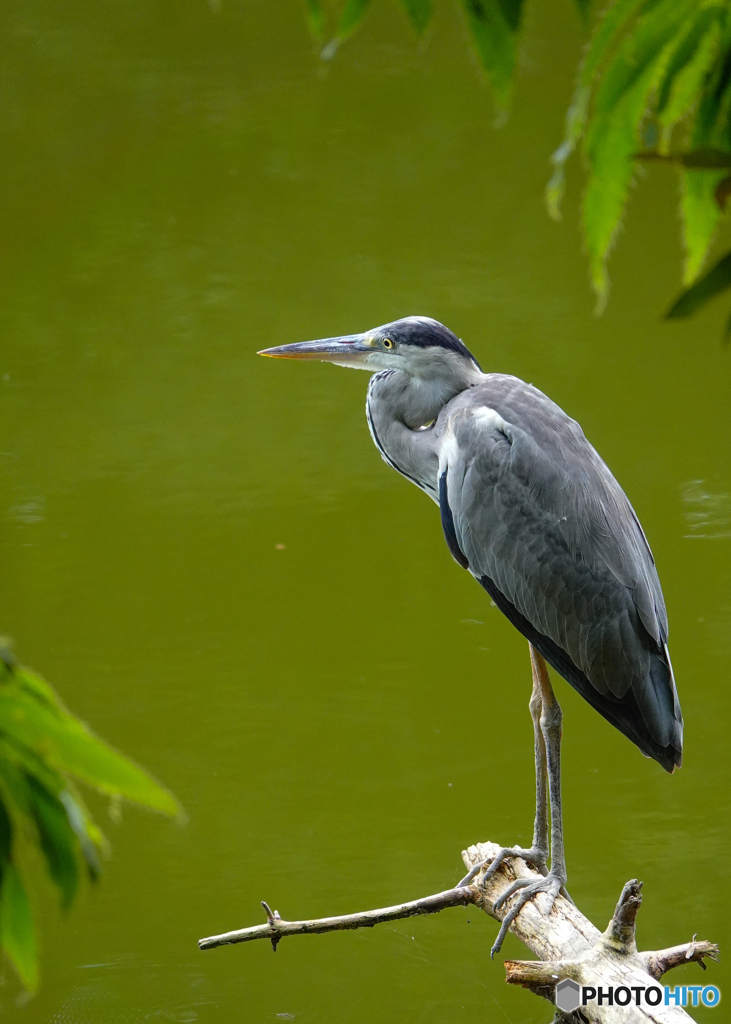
(494, 26)
(43, 749)
(654, 84)
(717, 279)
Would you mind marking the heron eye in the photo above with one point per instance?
(387, 343)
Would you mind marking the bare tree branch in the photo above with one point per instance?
(690, 952)
(276, 928)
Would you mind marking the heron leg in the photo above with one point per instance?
(554, 882)
(551, 727)
(537, 855)
(540, 825)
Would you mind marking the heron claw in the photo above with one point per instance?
(552, 884)
(533, 856)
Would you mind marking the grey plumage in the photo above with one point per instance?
(543, 525)
(532, 511)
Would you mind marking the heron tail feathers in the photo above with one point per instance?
(648, 713)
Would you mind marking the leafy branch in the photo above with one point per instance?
(654, 84)
(44, 750)
(494, 26)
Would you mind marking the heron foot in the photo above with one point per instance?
(526, 889)
(534, 856)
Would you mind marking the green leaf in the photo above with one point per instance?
(12, 674)
(602, 42)
(58, 840)
(709, 124)
(717, 280)
(419, 12)
(583, 7)
(41, 745)
(688, 67)
(89, 837)
(351, 17)
(6, 833)
(16, 759)
(8, 661)
(640, 49)
(511, 11)
(316, 18)
(17, 934)
(63, 828)
(609, 180)
(55, 736)
(701, 215)
(605, 37)
(611, 139)
(495, 42)
(32, 801)
(722, 192)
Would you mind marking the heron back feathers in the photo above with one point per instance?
(537, 517)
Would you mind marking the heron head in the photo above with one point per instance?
(417, 345)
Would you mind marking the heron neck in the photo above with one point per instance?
(416, 401)
(399, 407)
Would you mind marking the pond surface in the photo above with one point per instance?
(204, 552)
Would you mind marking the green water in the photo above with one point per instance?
(205, 553)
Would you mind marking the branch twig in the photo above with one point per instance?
(663, 960)
(276, 928)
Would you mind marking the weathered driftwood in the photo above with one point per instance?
(571, 947)
(568, 944)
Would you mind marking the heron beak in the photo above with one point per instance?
(351, 350)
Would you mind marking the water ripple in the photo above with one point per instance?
(707, 514)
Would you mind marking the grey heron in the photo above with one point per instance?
(530, 509)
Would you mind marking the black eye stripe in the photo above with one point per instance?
(421, 332)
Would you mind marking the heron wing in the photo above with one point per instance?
(537, 517)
